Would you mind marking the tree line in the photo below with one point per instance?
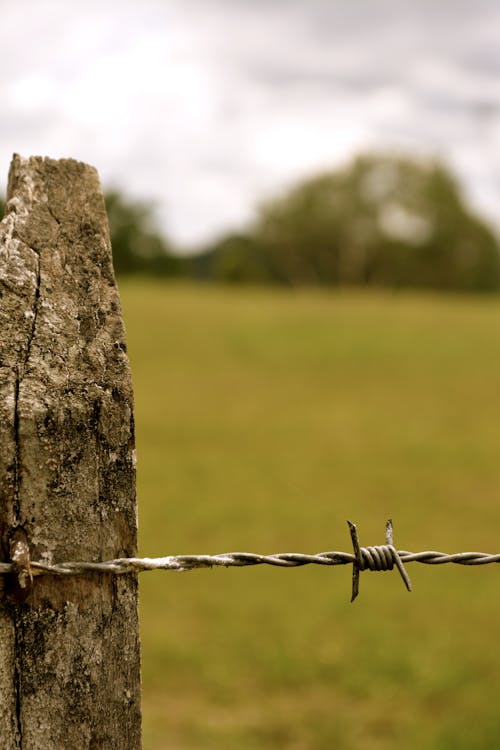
(382, 220)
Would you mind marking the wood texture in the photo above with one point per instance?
(69, 649)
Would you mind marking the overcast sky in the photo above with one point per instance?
(208, 106)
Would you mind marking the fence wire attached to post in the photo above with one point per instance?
(378, 558)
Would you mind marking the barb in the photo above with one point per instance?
(375, 558)
(378, 558)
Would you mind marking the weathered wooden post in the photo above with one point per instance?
(69, 647)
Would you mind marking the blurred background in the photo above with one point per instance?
(302, 200)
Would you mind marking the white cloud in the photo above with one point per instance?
(209, 105)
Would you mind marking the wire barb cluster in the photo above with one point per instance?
(377, 558)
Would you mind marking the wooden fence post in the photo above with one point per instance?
(69, 646)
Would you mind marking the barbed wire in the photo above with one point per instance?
(182, 563)
(376, 558)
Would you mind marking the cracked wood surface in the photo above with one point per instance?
(69, 649)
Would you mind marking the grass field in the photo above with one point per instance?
(265, 419)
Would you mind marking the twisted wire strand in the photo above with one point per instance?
(380, 558)
(374, 558)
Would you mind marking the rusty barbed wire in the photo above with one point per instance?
(376, 558)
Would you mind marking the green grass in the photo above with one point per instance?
(265, 419)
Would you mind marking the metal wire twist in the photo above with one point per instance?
(376, 558)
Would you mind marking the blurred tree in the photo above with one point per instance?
(137, 245)
(383, 220)
(238, 258)
(2, 206)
